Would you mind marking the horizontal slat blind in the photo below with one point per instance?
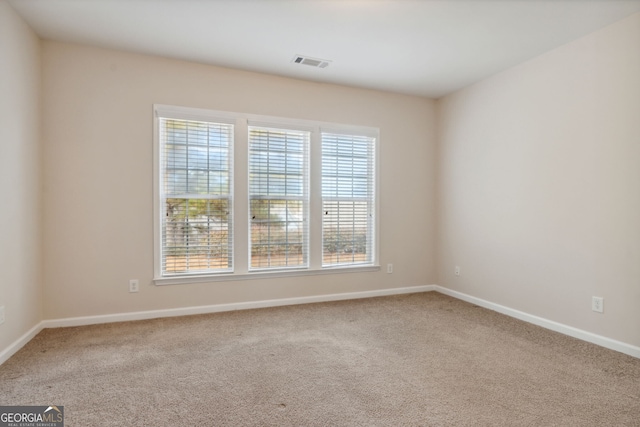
(196, 187)
(348, 199)
(278, 193)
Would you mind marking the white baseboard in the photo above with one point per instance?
(20, 342)
(153, 314)
(609, 343)
(186, 311)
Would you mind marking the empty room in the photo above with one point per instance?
(320, 212)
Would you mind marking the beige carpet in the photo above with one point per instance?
(410, 360)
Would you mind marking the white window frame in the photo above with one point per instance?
(240, 197)
(302, 198)
(370, 197)
(179, 114)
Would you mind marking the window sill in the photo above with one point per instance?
(227, 277)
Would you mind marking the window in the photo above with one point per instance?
(241, 196)
(278, 192)
(195, 193)
(348, 199)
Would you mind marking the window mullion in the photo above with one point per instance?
(241, 243)
(315, 201)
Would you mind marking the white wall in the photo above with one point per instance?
(98, 177)
(20, 184)
(539, 185)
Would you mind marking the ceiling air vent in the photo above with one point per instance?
(312, 62)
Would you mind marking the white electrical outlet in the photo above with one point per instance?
(457, 270)
(597, 304)
(1, 315)
(134, 285)
(389, 268)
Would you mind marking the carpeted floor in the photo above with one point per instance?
(410, 360)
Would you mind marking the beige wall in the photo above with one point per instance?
(539, 185)
(20, 231)
(98, 177)
(536, 190)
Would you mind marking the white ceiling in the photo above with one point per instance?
(428, 48)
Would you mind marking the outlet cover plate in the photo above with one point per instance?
(134, 285)
(597, 304)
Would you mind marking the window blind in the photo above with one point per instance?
(278, 193)
(195, 191)
(348, 199)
